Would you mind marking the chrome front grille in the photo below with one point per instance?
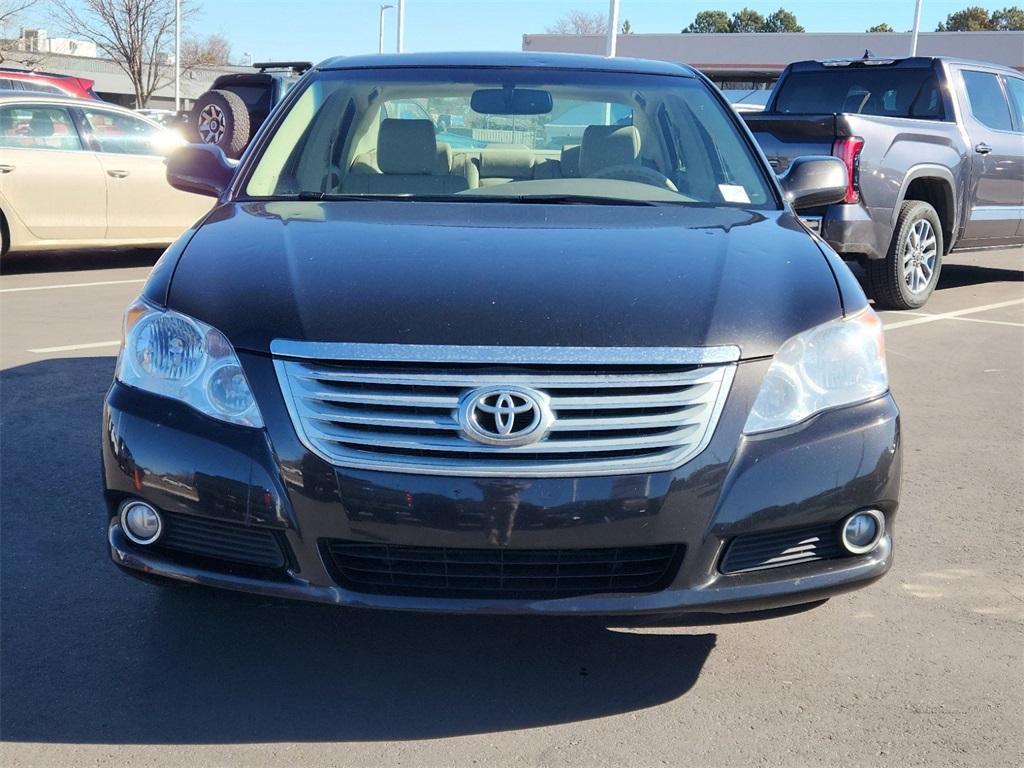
(397, 407)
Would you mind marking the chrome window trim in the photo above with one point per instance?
(721, 363)
(436, 353)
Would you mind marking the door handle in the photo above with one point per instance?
(982, 148)
(117, 174)
(6, 168)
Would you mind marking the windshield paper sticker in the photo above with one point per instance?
(733, 193)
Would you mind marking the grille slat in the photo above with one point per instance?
(498, 573)
(469, 380)
(335, 434)
(605, 418)
(756, 552)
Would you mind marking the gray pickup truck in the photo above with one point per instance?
(934, 148)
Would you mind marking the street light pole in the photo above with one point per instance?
(177, 56)
(380, 29)
(613, 28)
(401, 25)
(917, 27)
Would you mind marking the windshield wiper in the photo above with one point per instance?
(325, 196)
(563, 199)
(558, 199)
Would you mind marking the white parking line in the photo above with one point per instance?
(73, 347)
(987, 322)
(69, 285)
(957, 314)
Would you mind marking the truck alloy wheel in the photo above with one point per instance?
(908, 274)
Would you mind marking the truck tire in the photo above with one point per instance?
(908, 274)
(220, 118)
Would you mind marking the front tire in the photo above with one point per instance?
(908, 274)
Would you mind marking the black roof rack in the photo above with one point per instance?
(295, 66)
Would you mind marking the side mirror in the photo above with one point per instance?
(814, 180)
(199, 168)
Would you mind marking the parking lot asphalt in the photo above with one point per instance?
(926, 667)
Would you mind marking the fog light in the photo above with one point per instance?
(863, 530)
(140, 522)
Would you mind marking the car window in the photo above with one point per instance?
(864, 91)
(988, 104)
(474, 133)
(37, 127)
(256, 97)
(404, 110)
(124, 134)
(37, 87)
(1015, 87)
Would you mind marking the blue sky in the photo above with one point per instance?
(316, 29)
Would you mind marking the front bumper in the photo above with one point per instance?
(186, 464)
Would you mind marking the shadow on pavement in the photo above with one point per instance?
(74, 261)
(959, 275)
(88, 655)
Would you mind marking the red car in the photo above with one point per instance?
(46, 82)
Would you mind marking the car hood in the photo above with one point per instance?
(504, 274)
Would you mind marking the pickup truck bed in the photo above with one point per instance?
(913, 141)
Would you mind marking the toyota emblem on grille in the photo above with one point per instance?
(505, 415)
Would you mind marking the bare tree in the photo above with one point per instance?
(211, 51)
(136, 34)
(10, 10)
(580, 23)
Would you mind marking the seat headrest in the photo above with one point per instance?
(569, 160)
(42, 124)
(406, 146)
(444, 159)
(606, 145)
(506, 163)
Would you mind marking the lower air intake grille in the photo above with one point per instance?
(779, 548)
(499, 573)
(222, 541)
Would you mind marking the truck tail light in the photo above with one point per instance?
(848, 150)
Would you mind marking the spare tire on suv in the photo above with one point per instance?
(220, 117)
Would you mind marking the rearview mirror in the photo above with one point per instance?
(201, 169)
(511, 101)
(814, 180)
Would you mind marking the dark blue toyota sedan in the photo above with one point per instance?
(546, 368)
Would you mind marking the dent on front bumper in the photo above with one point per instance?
(818, 473)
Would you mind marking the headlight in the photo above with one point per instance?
(170, 354)
(838, 363)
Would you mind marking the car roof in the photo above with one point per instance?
(510, 59)
(6, 71)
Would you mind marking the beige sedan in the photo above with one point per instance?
(86, 174)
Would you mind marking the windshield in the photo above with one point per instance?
(873, 90)
(479, 135)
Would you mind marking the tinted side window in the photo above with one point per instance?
(1015, 86)
(28, 126)
(124, 135)
(988, 104)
